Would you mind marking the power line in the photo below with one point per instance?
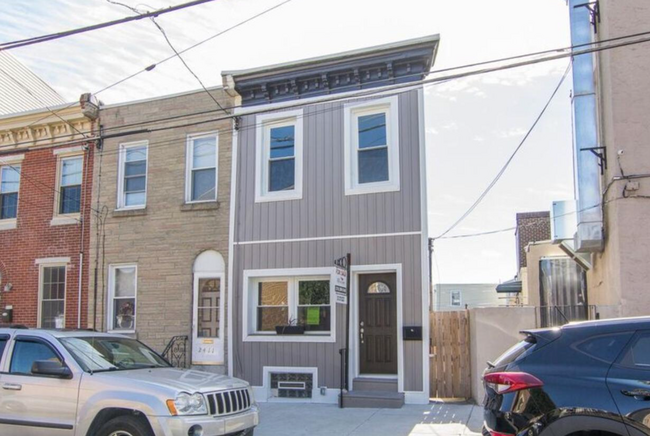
(152, 66)
(355, 86)
(510, 159)
(59, 35)
(169, 43)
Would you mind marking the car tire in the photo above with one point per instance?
(126, 425)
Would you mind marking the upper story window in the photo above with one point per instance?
(279, 156)
(70, 175)
(132, 183)
(9, 187)
(202, 164)
(372, 147)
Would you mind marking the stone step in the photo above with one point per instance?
(373, 399)
(374, 384)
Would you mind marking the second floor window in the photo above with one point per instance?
(70, 185)
(202, 162)
(372, 147)
(279, 156)
(9, 186)
(132, 184)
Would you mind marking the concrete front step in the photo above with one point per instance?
(374, 384)
(373, 399)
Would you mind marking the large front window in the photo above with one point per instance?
(132, 186)
(122, 298)
(202, 160)
(292, 301)
(279, 157)
(52, 310)
(9, 186)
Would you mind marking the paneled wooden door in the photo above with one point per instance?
(378, 323)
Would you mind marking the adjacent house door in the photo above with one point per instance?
(207, 347)
(378, 324)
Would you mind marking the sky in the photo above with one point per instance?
(472, 124)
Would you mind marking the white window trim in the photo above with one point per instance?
(120, 174)
(53, 262)
(460, 298)
(252, 277)
(189, 157)
(11, 223)
(390, 106)
(111, 294)
(262, 151)
(66, 218)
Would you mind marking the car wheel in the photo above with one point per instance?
(126, 425)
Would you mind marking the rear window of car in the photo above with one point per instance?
(638, 354)
(515, 352)
(605, 347)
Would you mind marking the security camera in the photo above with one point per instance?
(620, 152)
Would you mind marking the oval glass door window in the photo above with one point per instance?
(378, 288)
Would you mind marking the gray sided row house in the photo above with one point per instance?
(225, 227)
(319, 174)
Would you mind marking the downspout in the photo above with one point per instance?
(589, 236)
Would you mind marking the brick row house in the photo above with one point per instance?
(46, 168)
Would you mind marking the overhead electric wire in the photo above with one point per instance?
(169, 43)
(152, 66)
(510, 159)
(58, 35)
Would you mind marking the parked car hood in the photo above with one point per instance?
(181, 379)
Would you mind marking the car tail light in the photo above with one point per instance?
(505, 382)
(497, 433)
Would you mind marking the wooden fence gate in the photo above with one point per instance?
(449, 361)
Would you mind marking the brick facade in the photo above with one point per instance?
(165, 238)
(37, 238)
(531, 227)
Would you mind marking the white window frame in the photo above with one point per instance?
(53, 263)
(189, 154)
(121, 200)
(67, 218)
(8, 164)
(390, 107)
(460, 298)
(251, 280)
(264, 123)
(111, 296)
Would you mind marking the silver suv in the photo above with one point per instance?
(94, 384)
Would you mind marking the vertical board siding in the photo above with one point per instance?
(250, 357)
(324, 209)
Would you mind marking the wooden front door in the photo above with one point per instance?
(378, 323)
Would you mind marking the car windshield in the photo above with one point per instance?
(97, 353)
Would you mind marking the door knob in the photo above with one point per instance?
(361, 323)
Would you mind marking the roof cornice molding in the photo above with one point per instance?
(38, 129)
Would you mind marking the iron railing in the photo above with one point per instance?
(176, 351)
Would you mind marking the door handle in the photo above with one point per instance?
(638, 394)
(12, 387)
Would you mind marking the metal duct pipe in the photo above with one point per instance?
(589, 236)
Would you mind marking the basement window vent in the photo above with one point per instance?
(291, 385)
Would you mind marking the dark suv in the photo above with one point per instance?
(587, 378)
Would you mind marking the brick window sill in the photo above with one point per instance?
(208, 205)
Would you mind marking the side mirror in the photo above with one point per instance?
(51, 369)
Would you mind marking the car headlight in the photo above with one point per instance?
(186, 404)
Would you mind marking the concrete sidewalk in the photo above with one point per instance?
(451, 419)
